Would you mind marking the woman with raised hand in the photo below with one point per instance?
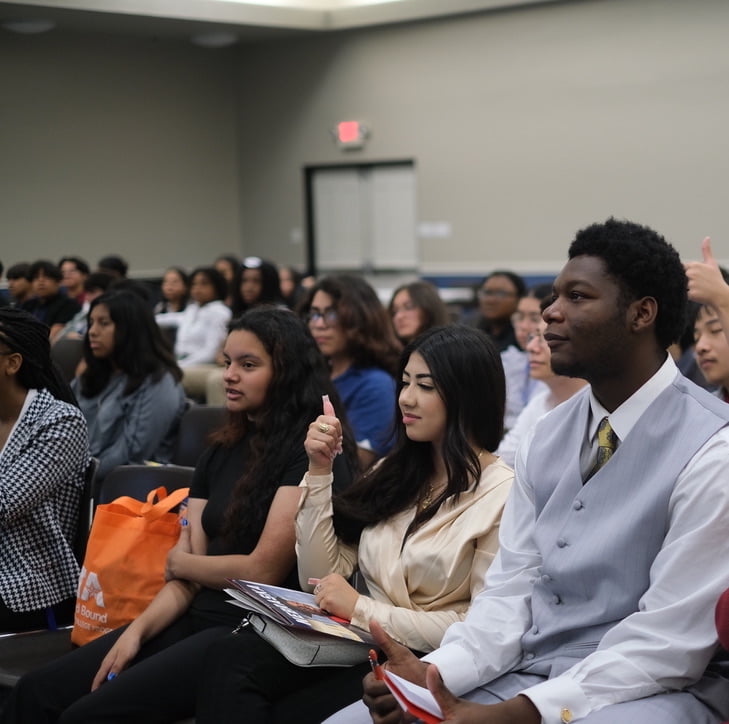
(353, 332)
(421, 527)
(241, 512)
(44, 453)
(129, 391)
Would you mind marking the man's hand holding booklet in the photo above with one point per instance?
(417, 700)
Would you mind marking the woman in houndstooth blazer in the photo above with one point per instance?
(43, 458)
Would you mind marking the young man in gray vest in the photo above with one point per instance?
(615, 541)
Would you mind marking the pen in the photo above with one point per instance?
(375, 666)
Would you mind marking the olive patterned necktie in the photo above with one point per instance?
(607, 443)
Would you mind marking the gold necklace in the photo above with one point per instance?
(427, 499)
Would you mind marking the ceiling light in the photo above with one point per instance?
(220, 39)
(29, 26)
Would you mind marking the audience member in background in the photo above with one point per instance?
(240, 516)
(558, 388)
(353, 332)
(436, 500)
(48, 304)
(114, 265)
(256, 282)
(4, 299)
(19, 284)
(44, 454)
(711, 347)
(130, 391)
(498, 295)
(74, 271)
(684, 351)
(707, 284)
(201, 327)
(415, 307)
(95, 285)
(290, 287)
(520, 386)
(175, 291)
(227, 265)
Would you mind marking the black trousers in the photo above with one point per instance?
(159, 686)
(11, 621)
(247, 680)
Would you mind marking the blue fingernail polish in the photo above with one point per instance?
(183, 522)
(111, 675)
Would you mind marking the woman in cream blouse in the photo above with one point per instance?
(421, 528)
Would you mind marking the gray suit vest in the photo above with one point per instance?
(599, 540)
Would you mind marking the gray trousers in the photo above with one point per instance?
(679, 707)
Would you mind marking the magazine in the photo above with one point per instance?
(294, 609)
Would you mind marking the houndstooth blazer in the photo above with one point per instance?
(41, 479)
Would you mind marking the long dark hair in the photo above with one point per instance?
(467, 372)
(270, 285)
(371, 341)
(140, 350)
(293, 400)
(21, 332)
(425, 297)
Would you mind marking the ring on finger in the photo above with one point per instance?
(324, 427)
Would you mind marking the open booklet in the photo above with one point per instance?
(294, 609)
(413, 698)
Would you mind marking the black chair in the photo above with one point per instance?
(137, 481)
(192, 437)
(67, 353)
(27, 650)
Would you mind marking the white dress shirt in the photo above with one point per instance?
(665, 645)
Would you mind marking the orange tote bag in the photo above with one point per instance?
(125, 561)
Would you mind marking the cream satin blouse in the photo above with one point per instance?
(416, 592)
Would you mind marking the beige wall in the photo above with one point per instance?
(115, 145)
(523, 125)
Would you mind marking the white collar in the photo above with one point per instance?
(624, 417)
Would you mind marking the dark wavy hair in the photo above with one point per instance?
(270, 285)
(643, 264)
(21, 332)
(371, 341)
(214, 277)
(293, 400)
(425, 297)
(513, 277)
(184, 278)
(140, 350)
(467, 372)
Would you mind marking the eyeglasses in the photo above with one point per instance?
(497, 293)
(407, 307)
(531, 317)
(538, 337)
(328, 316)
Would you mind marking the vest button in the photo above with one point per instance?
(529, 656)
(577, 505)
(556, 600)
(535, 630)
(546, 578)
(561, 543)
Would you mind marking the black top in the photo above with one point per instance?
(57, 309)
(216, 475)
